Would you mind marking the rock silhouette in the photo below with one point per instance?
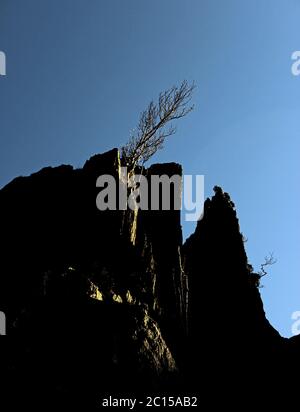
(111, 302)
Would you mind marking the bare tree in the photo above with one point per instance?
(152, 129)
(269, 260)
(256, 276)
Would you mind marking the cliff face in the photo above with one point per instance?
(233, 340)
(103, 302)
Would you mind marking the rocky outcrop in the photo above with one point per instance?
(103, 302)
(228, 330)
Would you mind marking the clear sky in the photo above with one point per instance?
(79, 72)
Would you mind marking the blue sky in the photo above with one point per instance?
(79, 73)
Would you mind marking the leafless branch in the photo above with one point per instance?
(152, 129)
(269, 260)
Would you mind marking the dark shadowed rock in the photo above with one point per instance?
(110, 302)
